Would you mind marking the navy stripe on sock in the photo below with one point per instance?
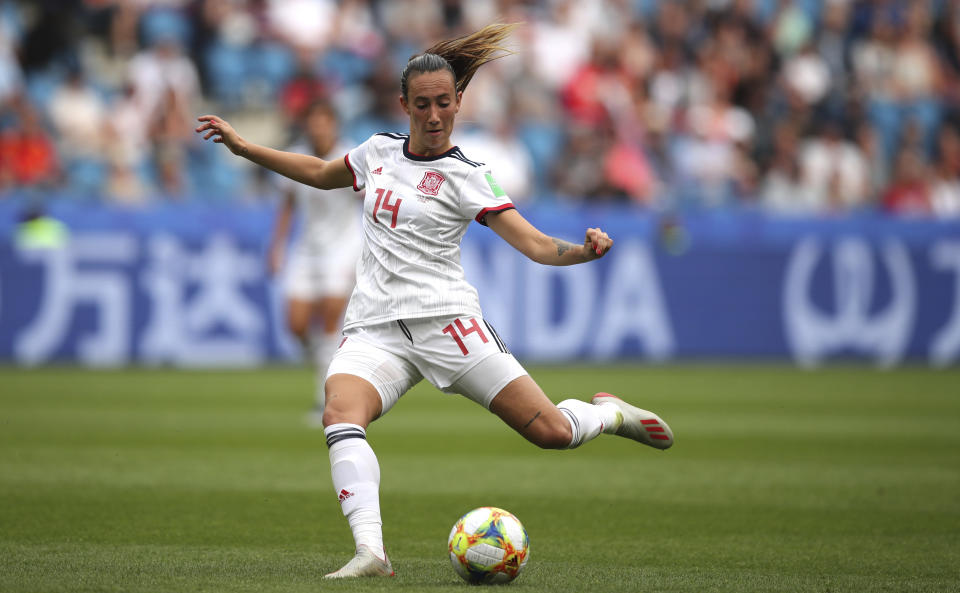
(344, 434)
(574, 428)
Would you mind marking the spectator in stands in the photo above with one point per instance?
(28, 157)
(627, 164)
(558, 45)
(669, 86)
(898, 71)
(407, 23)
(171, 138)
(124, 24)
(11, 75)
(162, 69)
(302, 90)
(78, 115)
(382, 111)
(946, 38)
(303, 24)
(834, 169)
(909, 191)
(945, 186)
(807, 75)
(629, 172)
(867, 141)
(709, 157)
(675, 26)
(872, 59)
(222, 49)
(783, 190)
(356, 29)
(128, 149)
(575, 175)
(917, 76)
(832, 45)
(791, 27)
(597, 89)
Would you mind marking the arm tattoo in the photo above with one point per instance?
(562, 246)
(535, 416)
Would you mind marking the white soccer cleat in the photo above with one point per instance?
(364, 564)
(639, 425)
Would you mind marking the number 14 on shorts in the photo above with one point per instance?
(458, 331)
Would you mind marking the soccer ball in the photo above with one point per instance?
(488, 545)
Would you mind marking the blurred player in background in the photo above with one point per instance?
(319, 273)
(413, 315)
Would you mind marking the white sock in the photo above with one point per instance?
(586, 420)
(356, 482)
(611, 417)
(324, 346)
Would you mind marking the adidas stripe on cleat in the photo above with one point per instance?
(639, 425)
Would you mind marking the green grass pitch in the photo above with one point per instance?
(845, 479)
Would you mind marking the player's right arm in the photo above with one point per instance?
(302, 168)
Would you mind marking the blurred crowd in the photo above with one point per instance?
(801, 107)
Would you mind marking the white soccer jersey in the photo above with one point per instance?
(330, 219)
(415, 212)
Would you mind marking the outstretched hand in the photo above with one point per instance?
(597, 243)
(221, 132)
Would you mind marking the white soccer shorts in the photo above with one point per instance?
(312, 274)
(456, 354)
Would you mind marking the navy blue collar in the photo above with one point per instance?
(419, 157)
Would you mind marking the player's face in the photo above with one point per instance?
(432, 102)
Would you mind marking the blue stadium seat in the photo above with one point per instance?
(86, 177)
(226, 72)
(345, 66)
(544, 142)
(41, 85)
(272, 64)
(159, 24)
(214, 177)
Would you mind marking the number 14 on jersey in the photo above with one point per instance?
(383, 203)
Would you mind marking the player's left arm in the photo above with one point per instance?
(544, 249)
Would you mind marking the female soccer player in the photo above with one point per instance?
(412, 315)
(319, 274)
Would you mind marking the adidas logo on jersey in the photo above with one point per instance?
(344, 494)
(377, 171)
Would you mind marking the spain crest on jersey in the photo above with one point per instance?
(431, 182)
